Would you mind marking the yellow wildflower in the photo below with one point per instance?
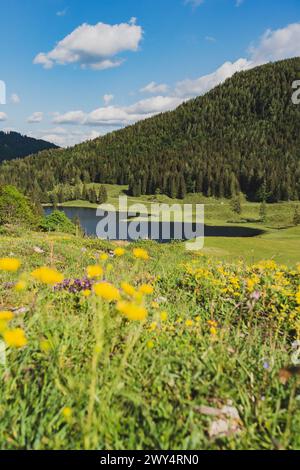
(155, 305)
(198, 319)
(47, 276)
(298, 297)
(109, 268)
(189, 323)
(9, 264)
(94, 271)
(146, 289)
(107, 291)
(128, 289)
(6, 316)
(213, 327)
(67, 412)
(45, 345)
(153, 326)
(3, 325)
(86, 293)
(132, 311)
(119, 252)
(21, 285)
(15, 338)
(104, 257)
(150, 344)
(140, 253)
(164, 316)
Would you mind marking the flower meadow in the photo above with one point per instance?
(127, 347)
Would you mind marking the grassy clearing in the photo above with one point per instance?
(89, 378)
(217, 211)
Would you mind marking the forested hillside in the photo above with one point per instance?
(14, 145)
(243, 135)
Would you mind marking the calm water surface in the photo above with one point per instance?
(89, 221)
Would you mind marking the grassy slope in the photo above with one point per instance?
(144, 398)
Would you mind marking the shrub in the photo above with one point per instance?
(16, 209)
(57, 221)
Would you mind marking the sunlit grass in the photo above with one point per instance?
(120, 346)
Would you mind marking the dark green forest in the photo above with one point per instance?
(15, 145)
(241, 136)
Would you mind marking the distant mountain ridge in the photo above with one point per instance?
(244, 135)
(14, 145)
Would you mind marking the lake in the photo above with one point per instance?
(164, 232)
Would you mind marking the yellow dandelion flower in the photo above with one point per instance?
(3, 325)
(150, 344)
(6, 316)
(298, 297)
(94, 271)
(109, 268)
(128, 289)
(146, 289)
(86, 293)
(47, 276)
(164, 316)
(67, 412)
(189, 323)
(153, 326)
(15, 338)
(104, 257)
(21, 285)
(198, 319)
(107, 291)
(9, 264)
(132, 311)
(140, 253)
(138, 296)
(213, 331)
(45, 345)
(155, 305)
(119, 252)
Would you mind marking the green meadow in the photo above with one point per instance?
(202, 362)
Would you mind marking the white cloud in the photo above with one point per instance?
(194, 3)
(120, 116)
(35, 117)
(276, 45)
(94, 46)
(15, 99)
(65, 137)
(62, 12)
(71, 117)
(190, 88)
(157, 104)
(210, 39)
(273, 45)
(3, 117)
(154, 88)
(107, 99)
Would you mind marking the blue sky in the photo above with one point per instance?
(74, 70)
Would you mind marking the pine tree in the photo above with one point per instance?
(84, 195)
(102, 197)
(182, 188)
(236, 204)
(263, 211)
